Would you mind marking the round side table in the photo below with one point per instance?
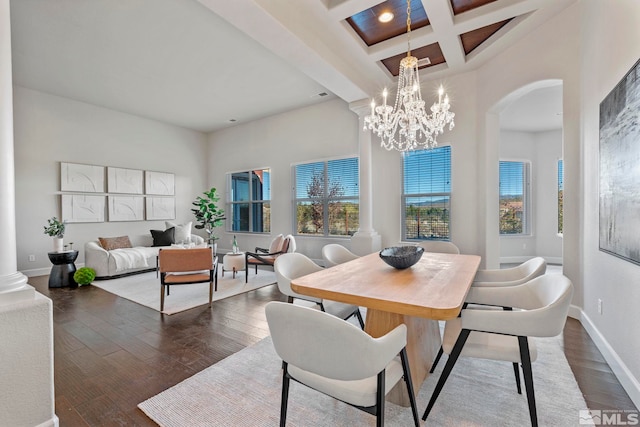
(63, 269)
(233, 262)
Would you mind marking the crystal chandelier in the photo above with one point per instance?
(408, 126)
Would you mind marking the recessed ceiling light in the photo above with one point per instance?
(385, 17)
(232, 120)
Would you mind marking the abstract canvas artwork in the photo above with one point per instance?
(619, 170)
(82, 208)
(81, 178)
(159, 183)
(126, 208)
(120, 180)
(160, 208)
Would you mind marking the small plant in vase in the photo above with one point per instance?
(208, 214)
(55, 229)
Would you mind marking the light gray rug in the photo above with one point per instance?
(244, 390)
(144, 289)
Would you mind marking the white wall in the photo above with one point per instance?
(50, 129)
(610, 49)
(519, 69)
(549, 151)
(542, 150)
(323, 131)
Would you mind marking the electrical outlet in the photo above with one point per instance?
(32, 258)
(599, 306)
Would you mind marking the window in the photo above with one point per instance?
(426, 194)
(514, 197)
(560, 195)
(249, 206)
(327, 198)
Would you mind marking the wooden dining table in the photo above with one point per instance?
(433, 289)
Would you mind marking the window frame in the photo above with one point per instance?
(404, 196)
(527, 226)
(560, 217)
(251, 201)
(325, 199)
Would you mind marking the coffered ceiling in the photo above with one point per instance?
(202, 64)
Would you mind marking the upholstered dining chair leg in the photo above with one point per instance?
(435, 362)
(380, 400)
(359, 316)
(409, 382)
(285, 395)
(525, 357)
(453, 357)
(516, 371)
(161, 298)
(210, 293)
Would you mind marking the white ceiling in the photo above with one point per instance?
(199, 64)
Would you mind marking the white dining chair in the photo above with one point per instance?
(366, 369)
(334, 254)
(540, 310)
(511, 276)
(439, 246)
(505, 277)
(293, 265)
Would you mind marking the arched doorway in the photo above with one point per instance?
(528, 146)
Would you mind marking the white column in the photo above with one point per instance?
(366, 240)
(13, 285)
(26, 317)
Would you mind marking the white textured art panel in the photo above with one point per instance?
(82, 208)
(126, 208)
(161, 208)
(120, 180)
(81, 178)
(159, 183)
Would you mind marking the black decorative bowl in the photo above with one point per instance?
(401, 257)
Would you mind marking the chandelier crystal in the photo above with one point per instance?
(407, 125)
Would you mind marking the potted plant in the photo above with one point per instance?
(208, 214)
(55, 229)
(84, 275)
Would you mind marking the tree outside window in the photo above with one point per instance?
(326, 195)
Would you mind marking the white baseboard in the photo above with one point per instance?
(37, 272)
(619, 368)
(53, 422)
(43, 271)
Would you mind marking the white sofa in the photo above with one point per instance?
(118, 262)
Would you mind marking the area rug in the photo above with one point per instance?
(144, 289)
(244, 390)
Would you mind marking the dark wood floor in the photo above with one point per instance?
(111, 354)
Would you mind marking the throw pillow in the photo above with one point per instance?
(276, 244)
(183, 231)
(110, 243)
(163, 238)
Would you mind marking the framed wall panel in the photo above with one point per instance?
(127, 181)
(619, 171)
(81, 178)
(160, 208)
(82, 208)
(159, 183)
(126, 208)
